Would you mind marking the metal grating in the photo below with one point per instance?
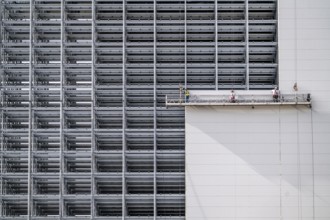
(85, 133)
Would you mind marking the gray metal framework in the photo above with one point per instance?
(85, 132)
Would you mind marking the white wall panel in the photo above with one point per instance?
(274, 163)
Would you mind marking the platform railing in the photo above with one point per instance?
(240, 99)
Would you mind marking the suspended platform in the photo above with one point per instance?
(242, 98)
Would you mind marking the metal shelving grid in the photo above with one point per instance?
(85, 133)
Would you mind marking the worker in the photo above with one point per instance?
(187, 94)
(232, 97)
(180, 92)
(275, 93)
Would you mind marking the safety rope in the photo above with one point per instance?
(297, 113)
(299, 167)
(280, 157)
(313, 167)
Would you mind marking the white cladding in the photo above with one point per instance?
(269, 162)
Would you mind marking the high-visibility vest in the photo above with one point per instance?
(187, 92)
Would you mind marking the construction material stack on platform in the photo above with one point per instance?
(85, 133)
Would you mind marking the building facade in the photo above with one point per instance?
(269, 162)
(85, 132)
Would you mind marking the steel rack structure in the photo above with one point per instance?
(85, 132)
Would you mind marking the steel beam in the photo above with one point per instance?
(247, 48)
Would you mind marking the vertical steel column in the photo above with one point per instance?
(93, 113)
(124, 114)
(216, 44)
(247, 52)
(1, 147)
(185, 44)
(276, 81)
(30, 138)
(62, 60)
(155, 109)
(2, 77)
(2, 142)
